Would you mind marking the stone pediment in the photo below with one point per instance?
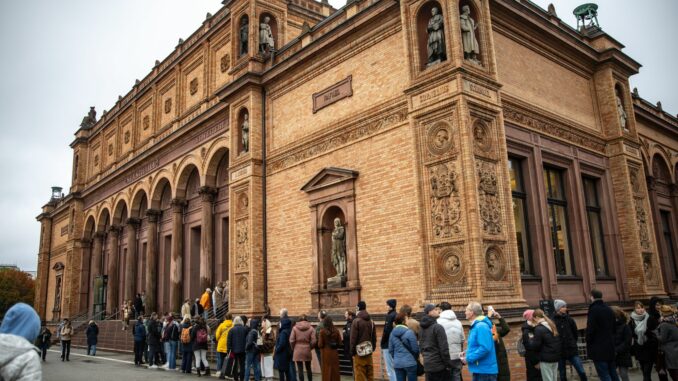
(328, 177)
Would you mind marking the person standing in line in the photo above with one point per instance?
(236, 341)
(455, 337)
(348, 317)
(139, 332)
(531, 356)
(267, 348)
(622, 343)
(200, 339)
(302, 340)
(434, 347)
(206, 303)
(567, 329)
(19, 359)
(138, 306)
(283, 351)
(668, 340)
(221, 335)
(600, 337)
(363, 343)
(218, 298)
(252, 359)
(654, 309)
(403, 347)
(321, 317)
(499, 330)
(171, 336)
(645, 345)
(186, 345)
(44, 340)
(388, 327)
(480, 354)
(546, 342)
(329, 340)
(186, 309)
(92, 334)
(411, 322)
(154, 331)
(66, 332)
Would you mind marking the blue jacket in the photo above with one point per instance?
(139, 332)
(402, 357)
(92, 333)
(480, 354)
(237, 339)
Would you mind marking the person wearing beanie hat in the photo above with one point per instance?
(567, 329)
(19, 358)
(361, 306)
(388, 328)
(527, 315)
(531, 357)
(667, 333)
(434, 349)
(363, 337)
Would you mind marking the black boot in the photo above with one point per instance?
(207, 372)
(198, 370)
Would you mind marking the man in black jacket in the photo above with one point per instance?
(388, 327)
(349, 316)
(154, 335)
(567, 329)
(600, 337)
(433, 346)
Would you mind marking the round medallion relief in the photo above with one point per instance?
(481, 136)
(495, 263)
(450, 266)
(243, 287)
(439, 138)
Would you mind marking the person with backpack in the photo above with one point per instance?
(92, 334)
(44, 340)
(546, 342)
(403, 349)
(363, 342)
(153, 338)
(283, 351)
(531, 356)
(170, 336)
(196, 309)
(567, 329)
(252, 344)
(236, 341)
(139, 333)
(186, 345)
(200, 337)
(266, 350)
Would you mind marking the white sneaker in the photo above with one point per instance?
(153, 367)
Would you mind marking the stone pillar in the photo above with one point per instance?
(113, 277)
(97, 253)
(664, 265)
(177, 264)
(43, 262)
(131, 260)
(152, 259)
(207, 195)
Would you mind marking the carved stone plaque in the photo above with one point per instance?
(333, 94)
(450, 265)
(490, 205)
(193, 86)
(445, 201)
(495, 263)
(168, 105)
(439, 138)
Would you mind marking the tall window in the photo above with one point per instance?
(668, 240)
(593, 214)
(557, 210)
(520, 216)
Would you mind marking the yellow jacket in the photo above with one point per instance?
(206, 301)
(222, 334)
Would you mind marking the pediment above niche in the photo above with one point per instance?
(58, 266)
(329, 177)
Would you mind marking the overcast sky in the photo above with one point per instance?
(60, 57)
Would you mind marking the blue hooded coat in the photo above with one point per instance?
(402, 336)
(480, 355)
(21, 320)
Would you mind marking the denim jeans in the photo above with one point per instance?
(253, 360)
(65, 349)
(220, 360)
(576, 363)
(388, 360)
(409, 374)
(138, 351)
(171, 349)
(607, 371)
(92, 350)
(484, 377)
(186, 361)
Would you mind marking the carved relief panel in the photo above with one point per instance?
(445, 202)
(489, 198)
(241, 256)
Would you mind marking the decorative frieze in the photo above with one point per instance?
(445, 201)
(242, 248)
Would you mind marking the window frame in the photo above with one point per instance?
(551, 204)
(598, 209)
(668, 238)
(520, 163)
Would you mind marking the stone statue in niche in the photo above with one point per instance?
(245, 133)
(621, 112)
(436, 38)
(468, 35)
(244, 35)
(338, 255)
(266, 42)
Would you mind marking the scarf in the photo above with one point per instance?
(641, 326)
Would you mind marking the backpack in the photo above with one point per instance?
(520, 347)
(166, 332)
(174, 332)
(185, 335)
(201, 336)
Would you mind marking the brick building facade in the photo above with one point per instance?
(525, 172)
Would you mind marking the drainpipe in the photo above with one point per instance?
(263, 190)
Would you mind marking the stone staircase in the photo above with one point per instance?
(111, 337)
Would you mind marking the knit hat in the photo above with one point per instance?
(392, 303)
(428, 308)
(558, 304)
(21, 320)
(362, 306)
(527, 315)
(666, 310)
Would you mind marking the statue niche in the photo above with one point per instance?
(244, 34)
(468, 23)
(243, 131)
(431, 34)
(334, 247)
(268, 33)
(621, 110)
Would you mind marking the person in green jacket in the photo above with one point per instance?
(500, 329)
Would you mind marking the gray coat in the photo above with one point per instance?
(668, 343)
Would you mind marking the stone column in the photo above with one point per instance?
(151, 269)
(113, 277)
(97, 253)
(131, 260)
(177, 264)
(207, 195)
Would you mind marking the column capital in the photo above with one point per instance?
(178, 204)
(207, 193)
(133, 221)
(153, 215)
(99, 234)
(651, 183)
(114, 229)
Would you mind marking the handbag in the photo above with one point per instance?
(420, 367)
(365, 348)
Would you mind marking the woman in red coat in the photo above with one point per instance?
(329, 340)
(302, 340)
